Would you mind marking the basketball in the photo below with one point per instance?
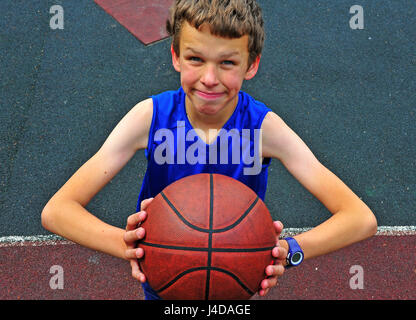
(208, 237)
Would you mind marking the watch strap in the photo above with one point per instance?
(294, 248)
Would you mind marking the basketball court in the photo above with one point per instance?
(348, 93)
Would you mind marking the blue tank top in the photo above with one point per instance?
(175, 150)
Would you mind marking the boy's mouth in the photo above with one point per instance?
(209, 95)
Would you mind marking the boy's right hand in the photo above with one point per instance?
(133, 234)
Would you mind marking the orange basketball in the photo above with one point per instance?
(208, 236)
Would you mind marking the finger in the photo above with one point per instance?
(134, 235)
(264, 287)
(271, 282)
(276, 270)
(145, 203)
(263, 292)
(279, 253)
(278, 225)
(136, 272)
(135, 219)
(136, 253)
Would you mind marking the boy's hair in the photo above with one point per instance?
(226, 18)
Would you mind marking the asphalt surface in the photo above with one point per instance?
(349, 94)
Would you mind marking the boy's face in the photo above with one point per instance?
(212, 69)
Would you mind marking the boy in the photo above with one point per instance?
(216, 45)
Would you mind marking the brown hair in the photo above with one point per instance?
(226, 18)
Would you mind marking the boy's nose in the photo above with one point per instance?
(209, 76)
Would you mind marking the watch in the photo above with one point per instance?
(295, 253)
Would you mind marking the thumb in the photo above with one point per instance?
(145, 203)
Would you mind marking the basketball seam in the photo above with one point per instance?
(232, 275)
(189, 224)
(211, 219)
(164, 246)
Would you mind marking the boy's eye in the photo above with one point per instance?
(228, 62)
(196, 59)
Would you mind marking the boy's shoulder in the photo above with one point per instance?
(250, 99)
(168, 104)
(168, 100)
(254, 110)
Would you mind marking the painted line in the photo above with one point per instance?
(396, 231)
(53, 240)
(381, 231)
(34, 241)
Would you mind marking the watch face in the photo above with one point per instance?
(296, 258)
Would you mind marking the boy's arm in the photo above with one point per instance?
(65, 213)
(351, 219)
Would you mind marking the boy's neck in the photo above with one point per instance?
(206, 122)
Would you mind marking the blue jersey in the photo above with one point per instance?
(175, 149)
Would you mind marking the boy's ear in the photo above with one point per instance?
(175, 59)
(252, 70)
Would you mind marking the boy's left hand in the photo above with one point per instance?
(276, 270)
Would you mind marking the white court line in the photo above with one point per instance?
(51, 240)
(34, 241)
(381, 231)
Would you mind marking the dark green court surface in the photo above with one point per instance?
(350, 95)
